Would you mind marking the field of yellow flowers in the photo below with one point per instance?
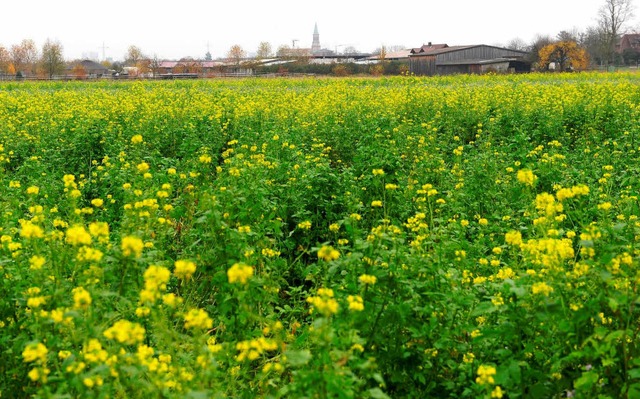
(462, 237)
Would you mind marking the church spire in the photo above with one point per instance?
(315, 46)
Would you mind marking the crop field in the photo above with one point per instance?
(451, 237)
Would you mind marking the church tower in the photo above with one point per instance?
(315, 46)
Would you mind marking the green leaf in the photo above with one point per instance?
(298, 358)
(587, 380)
(377, 393)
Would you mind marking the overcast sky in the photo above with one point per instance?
(175, 29)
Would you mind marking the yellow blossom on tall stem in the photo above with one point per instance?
(328, 253)
(184, 269)
(239, 273)
(81, 298)
(132, 246)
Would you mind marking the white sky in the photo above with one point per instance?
(183, 28)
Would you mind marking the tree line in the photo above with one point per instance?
(569, 50)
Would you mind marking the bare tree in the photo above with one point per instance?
(594, 40)
(568, 35)
(517, 44)
(154, 65)
(264, 50)
(5, 60)
(52, 60)
(612, 18)
(350, 50)
(236, 54)
(539, 42)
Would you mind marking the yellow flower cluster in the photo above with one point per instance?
(541, 288)
(239, 273)
(368, 279)
(35, 352)
(526, 177)
(125, 332)
(184, 269)
(328, 253)
(155, 283)
(253, 349)
(565, 193)
(485, 375)
(324, 302)
(132, 246)
(197, 319)
(306, 225)
(77, 235)
(81, 298)
(355, 303)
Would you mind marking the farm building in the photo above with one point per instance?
(441, 59)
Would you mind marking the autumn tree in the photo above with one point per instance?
(264, 51)
(133, 56)
(52, 60)
(566, 55)
(79, 71)
(236, 54)
(24, 56)
(611, 19)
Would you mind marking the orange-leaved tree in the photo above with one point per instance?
(566, 55)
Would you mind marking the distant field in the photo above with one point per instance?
(463, 237)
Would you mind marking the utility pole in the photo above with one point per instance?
(104, 48)
(293, 43)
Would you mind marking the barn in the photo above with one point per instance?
(441, 59)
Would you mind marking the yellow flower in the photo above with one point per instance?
(526, 177)
(328, 253)
(376, 204)
(35, 352)
(30, 230)
(77, 235)
(132, 246)
(81, 298)
(197, 318)
(513, 238)
(324, 302)
(306, 225)
(355, 303)
(378, 172)
(69, 180)
(541, 288)
(136, 139)
(239, 273)
(184, 269)
(99, 229)
(485, 375)
(33, 190)
(334, 227)
(36, 262)
(125, 332)
(143, 167)
(605, 206)
(97, 202)
(156, 278)
(368, 279)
